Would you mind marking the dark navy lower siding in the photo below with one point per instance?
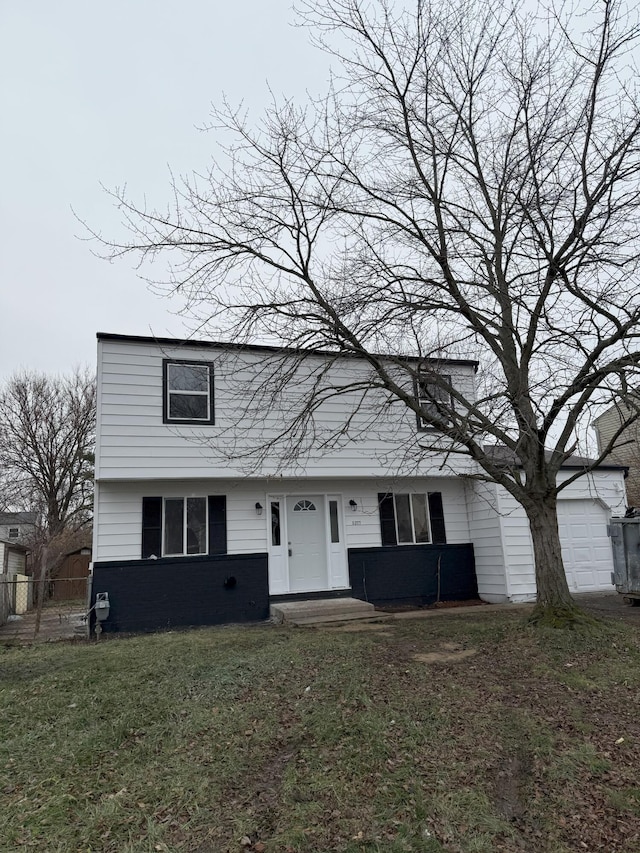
(151, 595)
(409, 573)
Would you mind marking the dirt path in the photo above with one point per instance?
(609, 605)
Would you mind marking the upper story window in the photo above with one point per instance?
(14, 532)
(188, 392)
(430, 394)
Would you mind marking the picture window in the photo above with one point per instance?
(412, 518)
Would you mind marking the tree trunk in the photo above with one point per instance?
(554, 601)
(44, 558)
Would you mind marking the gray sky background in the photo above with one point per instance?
(113, 93)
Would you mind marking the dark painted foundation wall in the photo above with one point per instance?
(409, 573)
(153, 595)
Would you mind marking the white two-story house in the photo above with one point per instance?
(218, 490)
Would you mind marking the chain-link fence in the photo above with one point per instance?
(5, 601)
(63, 611)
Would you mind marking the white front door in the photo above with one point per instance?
(307, 543)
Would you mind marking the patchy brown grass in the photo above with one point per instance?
(289, 740)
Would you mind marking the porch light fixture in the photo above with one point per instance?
(353, 505)
(258, 508)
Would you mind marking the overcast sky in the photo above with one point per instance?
(113, 93)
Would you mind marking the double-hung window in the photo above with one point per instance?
(184, 527)
(411, 518)
(188, 392)
(433, 400)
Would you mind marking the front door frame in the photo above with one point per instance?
(337, 574)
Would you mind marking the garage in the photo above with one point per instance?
(586, 546)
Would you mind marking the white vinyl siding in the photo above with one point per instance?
(16, 562)
(134, 443)
(628, 450)
(485, 532)
(499, 530)
(118, 520)
(11, 560)
(518, 548)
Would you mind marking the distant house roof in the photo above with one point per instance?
(86, 549)
(14, 546)
(18, 517)
(505, 456)
(189, 342)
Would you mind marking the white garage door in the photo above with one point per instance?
(586, 547)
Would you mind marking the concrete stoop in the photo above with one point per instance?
(321, 611)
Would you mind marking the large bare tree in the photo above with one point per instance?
(470, 187)
(47, 434)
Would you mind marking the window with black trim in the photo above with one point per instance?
(187, 392)
(430, 394)
(14, 532)
(411, 519)
(184, 527)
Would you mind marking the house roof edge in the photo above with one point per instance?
(192, 342)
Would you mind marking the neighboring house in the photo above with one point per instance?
(17, 526)
(13, 558)
(627, 451)
(184, 536)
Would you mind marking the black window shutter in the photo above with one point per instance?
(217, 524)
(151, 527)
(436, 514)
(387, 519)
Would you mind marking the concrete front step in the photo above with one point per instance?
(345, 617)
(321, 610)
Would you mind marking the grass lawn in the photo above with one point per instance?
(463, 733)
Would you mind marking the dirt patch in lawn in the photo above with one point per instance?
(448, 653)
(511, 778)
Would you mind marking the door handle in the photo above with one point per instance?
(290, 552)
